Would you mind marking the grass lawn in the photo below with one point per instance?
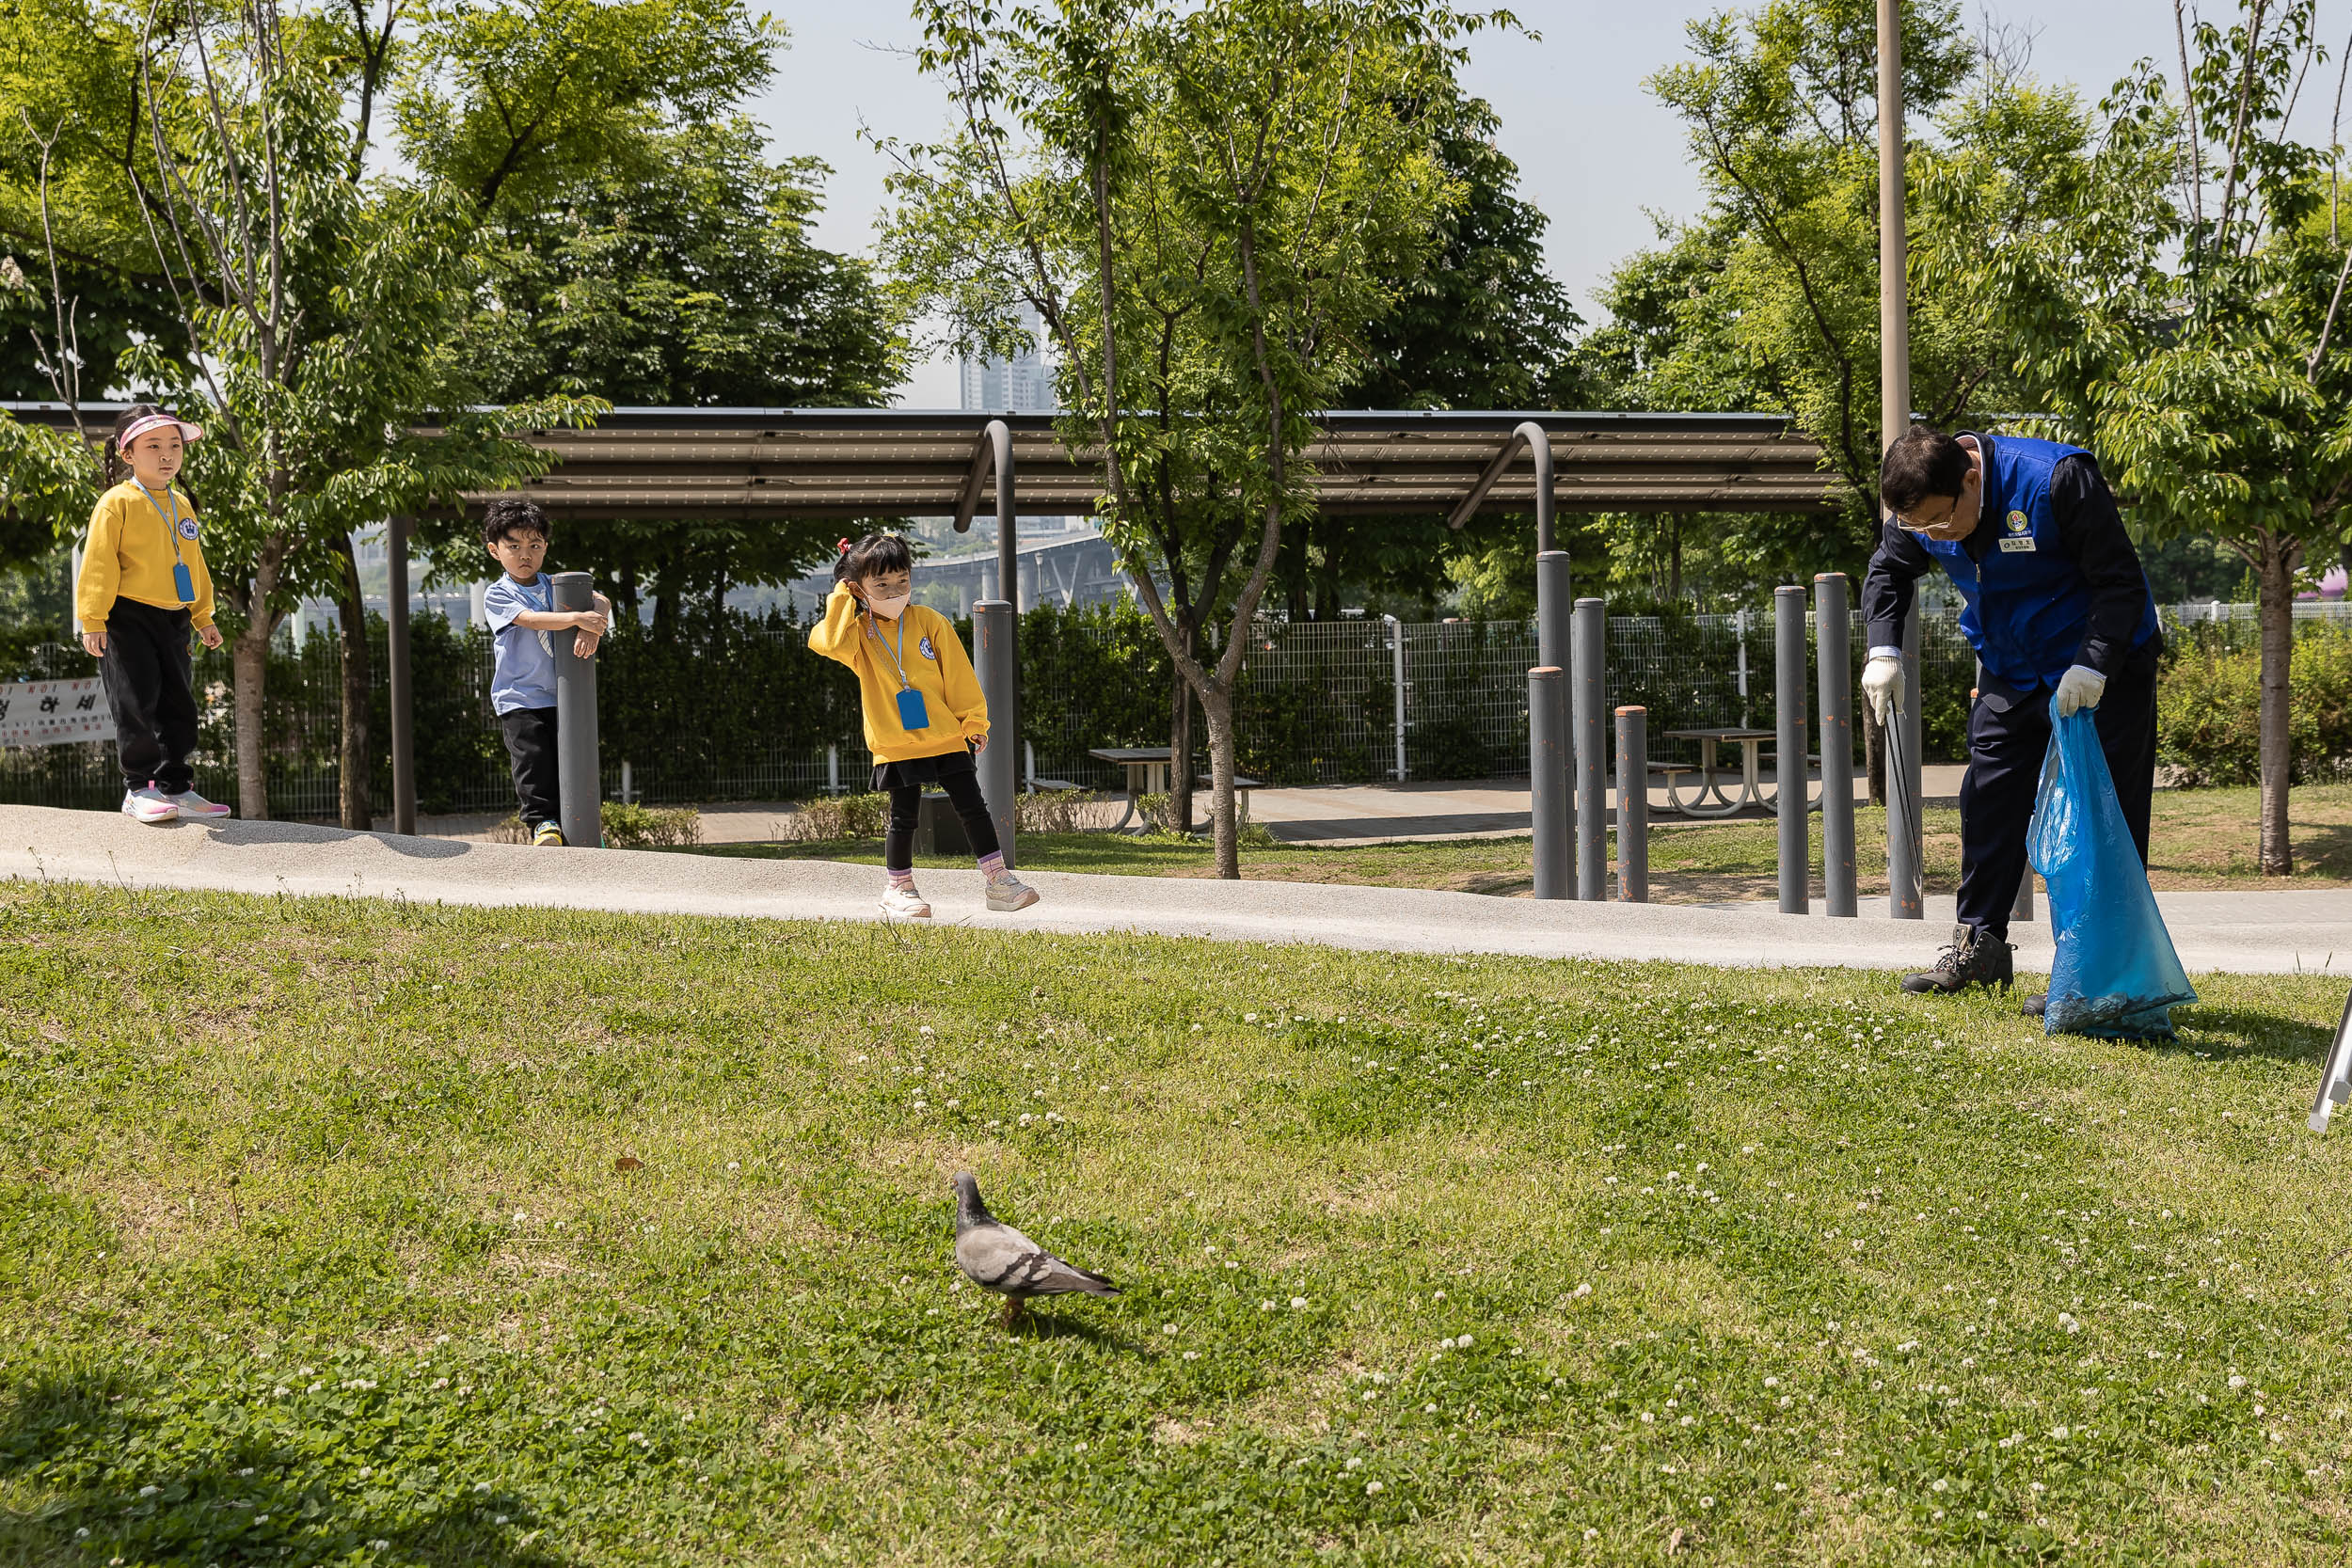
(348, 1231)
(2201, 838)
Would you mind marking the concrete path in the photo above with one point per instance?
(2249, 932)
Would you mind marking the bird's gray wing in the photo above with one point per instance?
(1000, 1259)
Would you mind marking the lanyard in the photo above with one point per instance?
(896, 654)
(171, 524)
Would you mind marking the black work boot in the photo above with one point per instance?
(1974, 959)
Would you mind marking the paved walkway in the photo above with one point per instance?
(1329, 817)
(2248, 932)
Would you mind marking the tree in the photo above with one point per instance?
(1275, 153)
(2182, 309)
(684, 276)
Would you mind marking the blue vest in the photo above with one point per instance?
(2028, 604)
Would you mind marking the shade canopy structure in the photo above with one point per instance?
(753, 463)
(756, 463)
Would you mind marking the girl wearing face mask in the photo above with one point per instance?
(925, 717)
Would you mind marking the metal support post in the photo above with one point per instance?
(403, 692)
(993, 623)
(1589, 640)
(1796, 860)
(579, 786)
(1548, 788)
(2021, 906)
(995, 628)
(1633, 806)
(1396, 651)
(1831, 623)
(832, 768)
(1903, 822)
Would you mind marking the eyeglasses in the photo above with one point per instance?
(1921, 525)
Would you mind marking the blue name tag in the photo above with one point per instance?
(183, 581)
(911, 713)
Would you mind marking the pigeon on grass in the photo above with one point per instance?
(1000, 1259)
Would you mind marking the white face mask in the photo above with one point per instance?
(889, 607)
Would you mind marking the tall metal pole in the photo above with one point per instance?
(1548, 788)
(579, 779)
(1632, 805)
(1589, 638)
(1902, 838)
(1396, 658)
(1832, 621)
(1796, 861)
(403, 692)
(995, 630)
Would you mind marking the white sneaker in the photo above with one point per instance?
(905, 903)
(193, 804)
(150, 805)
(1008, 893)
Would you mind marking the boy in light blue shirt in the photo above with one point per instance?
(524, 623)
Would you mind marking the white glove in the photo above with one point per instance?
(1883, 686)
(2079, 688)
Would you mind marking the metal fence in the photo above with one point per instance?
(747, 713)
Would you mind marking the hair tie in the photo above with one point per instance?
(841, 547)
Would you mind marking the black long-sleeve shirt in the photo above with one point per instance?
(2091, 534)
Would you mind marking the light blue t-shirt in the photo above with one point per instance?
(524, 673)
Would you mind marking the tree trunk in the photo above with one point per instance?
(1180, 744)
(352, 612)
(248, 662)
(2274, 854)
(1217, 709)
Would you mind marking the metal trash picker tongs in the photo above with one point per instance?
(2335, 1078)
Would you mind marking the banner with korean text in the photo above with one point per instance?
(52, 713)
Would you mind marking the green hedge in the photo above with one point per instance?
(2209, 702)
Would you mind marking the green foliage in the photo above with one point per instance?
(2208, 703)
(628, 826)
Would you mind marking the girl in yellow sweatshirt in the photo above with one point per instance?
(925, 717)
(143, 589)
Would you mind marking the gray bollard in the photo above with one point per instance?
(1832, 621)
(992, 660)
(579, 778)
(1589, 643)
(1548, 790)
(1633, 806)
(1796, 860)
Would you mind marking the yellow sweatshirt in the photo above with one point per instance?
(129, 555)
(936, 665)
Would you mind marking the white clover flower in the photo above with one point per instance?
(1371, 1489)
(1941, 1486)
(2059, 1433)
(2067, 1322)
(1297, 1302)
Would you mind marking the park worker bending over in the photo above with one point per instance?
(925, 717)
(524, 625)
(143, 588)
(2056, 601)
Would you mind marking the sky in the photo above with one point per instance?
(1595, 149)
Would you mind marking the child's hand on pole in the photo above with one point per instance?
(94, 643)
(209, 636)
(585, 644)
(591, 621)
(979, 744)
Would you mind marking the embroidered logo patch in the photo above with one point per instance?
(187, 528)
(929, 652)
(2019, 522)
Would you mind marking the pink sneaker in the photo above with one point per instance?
(150, 804)
(193, 804)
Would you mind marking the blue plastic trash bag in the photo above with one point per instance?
(2116, 972)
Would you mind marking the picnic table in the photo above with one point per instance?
(1750, 742)
(1148, 768)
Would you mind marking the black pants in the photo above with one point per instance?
(530, 748)
(150, 687)
(962, 785)
(2008, 736)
